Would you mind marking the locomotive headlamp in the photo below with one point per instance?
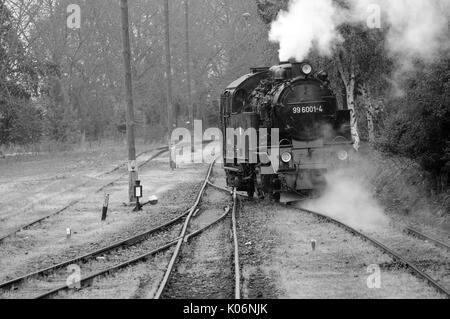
(342, 155)
(307, 69)
(286, 157)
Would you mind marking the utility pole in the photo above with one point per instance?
(188, 64)
(168, 70)
(132, 167)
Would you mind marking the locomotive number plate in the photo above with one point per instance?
(307, 109)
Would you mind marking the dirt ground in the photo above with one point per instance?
(33, 186)
(284, 265)
(202, 262)
(275, 241)
(46, 243)
(278, 260)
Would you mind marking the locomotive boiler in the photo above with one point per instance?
(295, 106)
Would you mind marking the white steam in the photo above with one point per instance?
(305, 25)
(416, 28)
(349, 200)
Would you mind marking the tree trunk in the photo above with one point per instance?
(370, 112)
(146, 128)
(83, 138)
(349, 79)
(353, 120)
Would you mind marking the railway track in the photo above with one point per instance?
(141, 258)
(182, 239)
(116, 168)
(203, 286)
(11, 284)
(427, 238)
(134, 254)
(396, 256)
(177, 241)
(237, 272)
(159, 151)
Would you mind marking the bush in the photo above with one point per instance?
(61, 123)
(419, 127)
(20, 123)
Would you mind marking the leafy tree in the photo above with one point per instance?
(268, 9)
(419, 125)
(19, 76)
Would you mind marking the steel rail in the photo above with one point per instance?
(41, 219)
(384, 248)
(137, 156)
(220, 188)
(177, 250)
(166, 149)
(237, 273)
(127, 242)
(379, 245)
(225, 190)
(416, 233)
(143, 257)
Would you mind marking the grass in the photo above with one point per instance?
(404, 188)
(53, 147)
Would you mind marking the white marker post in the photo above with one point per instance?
(313, 244)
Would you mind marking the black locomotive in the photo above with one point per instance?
(312, 134)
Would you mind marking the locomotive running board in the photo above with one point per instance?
(290, 197)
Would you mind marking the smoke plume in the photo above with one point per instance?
(305, 25)
(348, 199)
(416, 29)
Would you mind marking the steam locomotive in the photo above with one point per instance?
(289, 112)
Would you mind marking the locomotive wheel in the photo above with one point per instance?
(276, 185)
(260, 194)
(259, 184)
(275, 196)
(251, 189)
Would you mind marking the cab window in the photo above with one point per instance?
(239, 101)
